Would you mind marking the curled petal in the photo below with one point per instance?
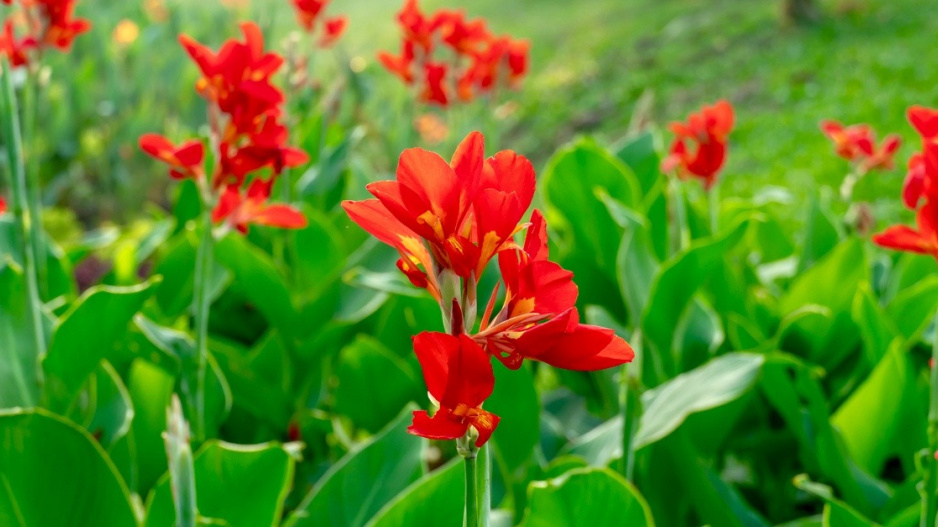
(440, 426)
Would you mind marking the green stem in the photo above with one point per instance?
(681, 239)
(202, 301)
(930, 496)
(25, 222)
(471, 518)
(630, 405)
(33, 183)
(713, 202)
(478, 487)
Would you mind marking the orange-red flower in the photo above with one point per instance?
(449, 54)
(3, 205)
(539, 320)
(51, 23)
(922, 240)
(16, 50)
(185, 161)
(857, 143)
(466, 210)
(308, 13)
(700, 145)
(240, 211)
(459, 377)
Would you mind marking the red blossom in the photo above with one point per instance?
(922, 240)
(700, 145)
(448, 54)
(185, 161)
(309, 11)
(241, 211)
(857, 143)
(459, 377)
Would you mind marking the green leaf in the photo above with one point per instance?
(87, 334)
(150, 389)
(19, 385)
(263, 285)
(836, 513)
(642, 157)
(373, 384)
(238, 485)
(832, 283)
(676, 284)
(913, 308)
(887, 402)
(362, 482)
(54, 473)
(320, 255)
(436, 499)
(714, 384)
(107, 406)
(587, 496)
(821, 233)
(876, 331)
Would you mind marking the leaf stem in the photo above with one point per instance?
(471, 518)
(201, 298)
(478, 487)
(713, 202)
(25, 221)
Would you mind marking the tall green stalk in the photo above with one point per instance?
(27, 226)
(930, 479)
(33, 183)
(478, 487)
(201, 298)
(680, 232)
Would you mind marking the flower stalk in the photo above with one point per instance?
(26, 223)
(201, 304)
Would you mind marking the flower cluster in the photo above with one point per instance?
(857, 144)
(448, 221)
(49, 24)
(920, 191)
(244, 110)
(445, 57)
(308, 12)
(700, 145)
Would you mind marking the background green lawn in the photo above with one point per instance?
(863, 61)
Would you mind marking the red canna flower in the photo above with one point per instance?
(308, 11)
(459, 376)
(17, 51)
(434, 90)
(923, 167)
(923, 240)
(450, 54)
(700, 145)
(185, 161)
(333, 29)
(857, 143)
(539, 319)
(917, 183)
(241, 211)
(3, 205)
(401, 66)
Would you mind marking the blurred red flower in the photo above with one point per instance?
(459, 377)
(50, 23)
(922, 240)
(857, 143)
(241, 211)
(700, 145)
(450, 54)
(185, 161)
(308, 12)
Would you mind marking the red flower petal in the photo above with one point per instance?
(440, 426)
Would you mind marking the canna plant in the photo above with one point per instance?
(248, 152)
(448, 221)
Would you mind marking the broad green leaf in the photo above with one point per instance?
(362, 482)
(913, 308)
(586, 496)
(676, 283)
(515, 401)
(831, 283)
(373, 384)
(642, 157)
(19, 385)
(150, 389)
(714, 384)
(794, 392)
(262, 283)
(320, 255)
(54, 473)
(237, 485)
(59, 273)
(699, 334)
(436, 499)
(636, 263)
(876, 331)
(836, 513)
(821, 233)
(109, 410)
(887, 402)
(87, 334)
